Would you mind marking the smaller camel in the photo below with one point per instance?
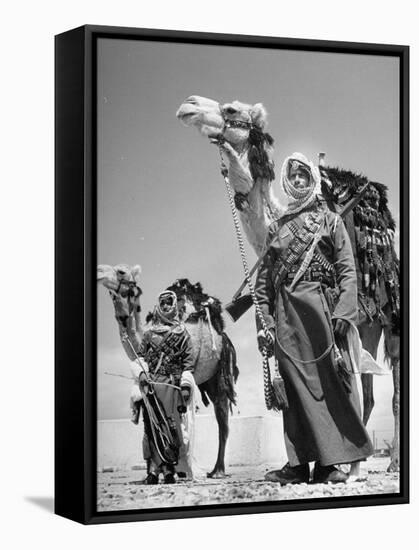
(215, 369)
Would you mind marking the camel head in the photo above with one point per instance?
(246, 150)
(120, 279)
(231, 120)
(123, 283)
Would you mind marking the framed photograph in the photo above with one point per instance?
(231, 274)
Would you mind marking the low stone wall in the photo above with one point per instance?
(253, 440)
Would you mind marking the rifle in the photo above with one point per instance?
(240, 304)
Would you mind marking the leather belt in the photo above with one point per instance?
(315, 272)
(167, 370)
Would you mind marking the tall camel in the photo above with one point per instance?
(247, 150)
(215, 369)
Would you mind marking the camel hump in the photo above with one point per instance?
(206, 358)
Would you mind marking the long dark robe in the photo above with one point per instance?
(168, 395)
(323, 421)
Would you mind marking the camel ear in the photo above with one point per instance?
(136, 272)
(259, 116)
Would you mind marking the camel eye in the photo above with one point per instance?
(230, 110)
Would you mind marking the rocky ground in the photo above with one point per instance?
(123, 490)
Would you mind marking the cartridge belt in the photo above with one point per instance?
(303, 237)
(167, 370)
(315, 272)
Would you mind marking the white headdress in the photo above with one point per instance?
(300, 198)
(166, 320)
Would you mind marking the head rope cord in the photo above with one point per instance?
(267, 383)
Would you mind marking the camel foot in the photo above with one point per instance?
(356, 478)
(355, 473)
(217, 474)
(394, 466)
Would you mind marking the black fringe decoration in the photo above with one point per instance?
(369, 226)
(228, 367)
(195, 292)
(261, 166)
(149, 317)
(376, 196)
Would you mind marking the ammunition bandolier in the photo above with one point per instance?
(166, 355)
(319, 269)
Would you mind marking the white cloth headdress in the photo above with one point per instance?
(300, 198)
(166, 320)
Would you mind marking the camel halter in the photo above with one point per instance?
(133, 298)
(133, 289)
(230, 123)
(267, 383)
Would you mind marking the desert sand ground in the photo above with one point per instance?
(123, 490)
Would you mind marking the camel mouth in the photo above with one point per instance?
(214, 136)
(100, 273)
(184, 117)
(187, 114)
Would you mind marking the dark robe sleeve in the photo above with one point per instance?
(144, 344)
(265, 292)
(188, 362)
(347, 304)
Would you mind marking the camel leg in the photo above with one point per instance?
(395, 448)
(368, 396)
(219, 398)
(370, 337)
(221, 407)
(355, 467)
(355, 471)
(392, 345)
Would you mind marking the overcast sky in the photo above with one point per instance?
(161, 198)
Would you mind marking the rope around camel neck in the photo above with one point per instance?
(267, 384)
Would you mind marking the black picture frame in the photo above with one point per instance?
(75, 249)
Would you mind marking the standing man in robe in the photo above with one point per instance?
(307, 291)
(163, 364)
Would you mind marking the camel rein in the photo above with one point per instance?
(267, 383)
